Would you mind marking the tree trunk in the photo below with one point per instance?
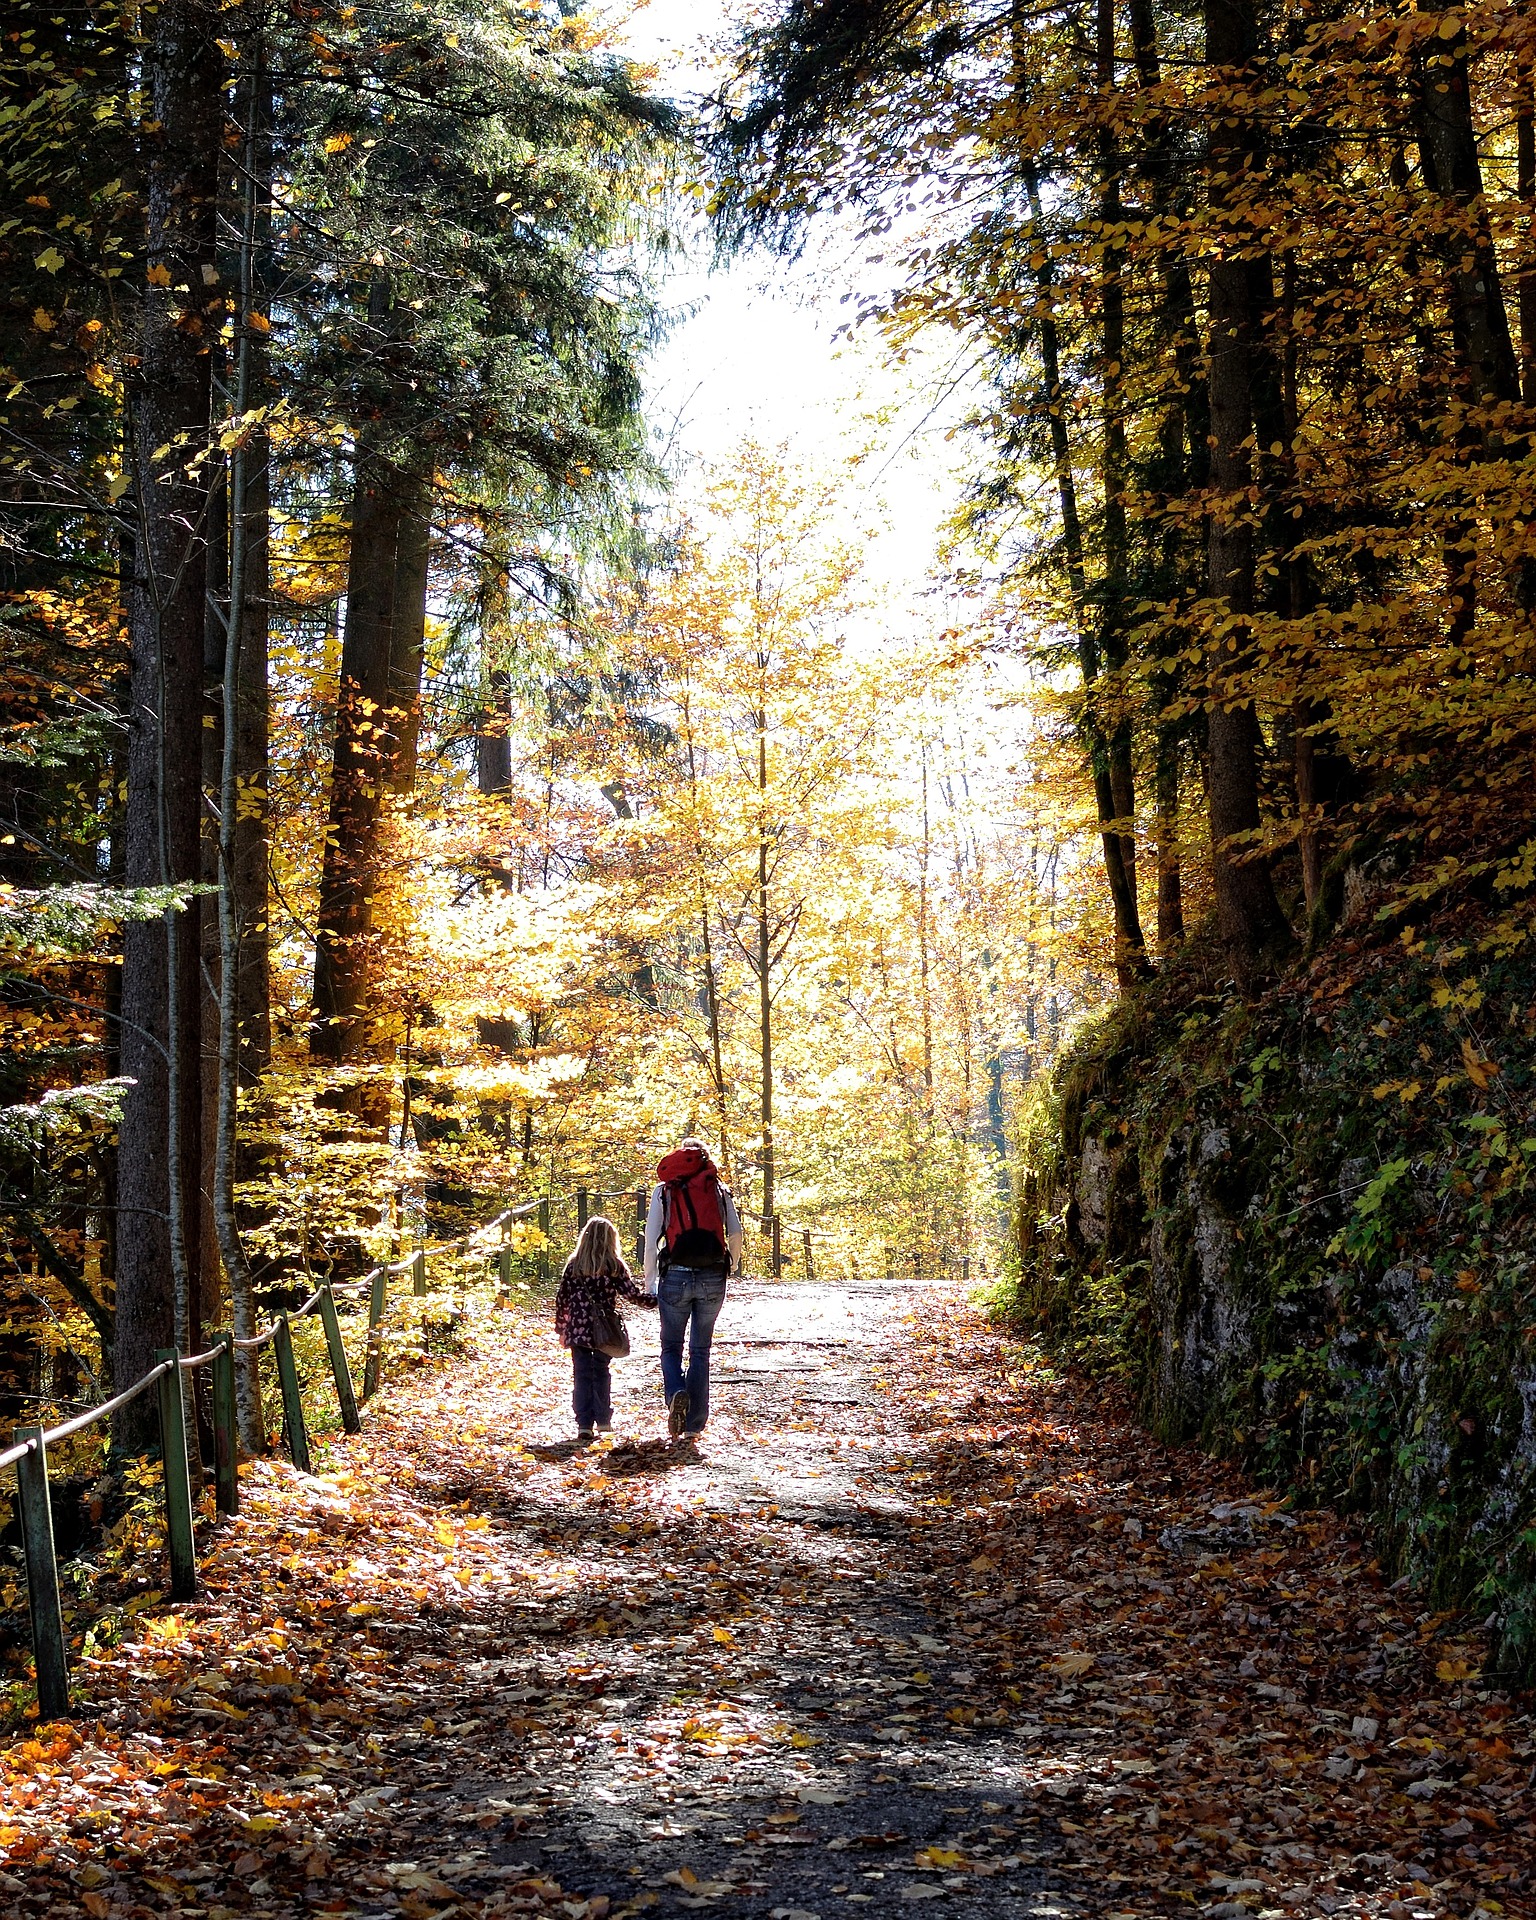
(1130, 942)
(924, 983)
(1448, 152)
(1485, 354)
(252, 752)
(160, 1137)
(764, 964)
(1525, 189)
(1112, 589)
(711, 984)
(1170, 881)
(205, 1292)
(493, 751)
(408, 628)
(1252, 924)
(249, 535)
(360, 765)
(717, 1061)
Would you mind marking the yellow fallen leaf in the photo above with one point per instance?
(1479, 1071)
(1456, 1670)
(725, 1636)
(805, 1739)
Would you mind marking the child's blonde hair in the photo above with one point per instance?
(597, 1251)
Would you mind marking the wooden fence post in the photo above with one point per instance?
(890, 1265)
(419, 1290)
(226, 1432)
(293, 1406)
(341, 1372)
(778, 1247)
(544, 1229)
(504, 1268)
(965, 1269)
(36, 1514)
(377, 1281)
(583, 1209)
(178, 1487)
(810, 1270)
(917, 1263)
(640, 1226)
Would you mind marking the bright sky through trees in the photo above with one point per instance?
(760, 346)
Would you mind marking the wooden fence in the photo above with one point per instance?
(29, 1450)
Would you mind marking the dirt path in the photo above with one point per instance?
(915, 1623)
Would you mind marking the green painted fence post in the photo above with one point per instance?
(226, 1432)
(341, 1373)
(293, 1406)
(419, 1291)
(36, 1514)
(178, 1487)
(378, 1280)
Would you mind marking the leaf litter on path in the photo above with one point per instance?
(952, 1631)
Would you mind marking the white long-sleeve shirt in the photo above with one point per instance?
(656, 1219)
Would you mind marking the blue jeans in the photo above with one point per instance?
(592, 1400)
(690, 1301)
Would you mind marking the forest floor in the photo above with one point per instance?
(918, 1620)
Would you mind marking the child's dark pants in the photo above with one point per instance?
(592, 1399)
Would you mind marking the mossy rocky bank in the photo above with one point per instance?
(1304, 1228)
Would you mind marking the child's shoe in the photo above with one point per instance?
(584, 1436)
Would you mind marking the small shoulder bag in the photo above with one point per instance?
(610, 1335)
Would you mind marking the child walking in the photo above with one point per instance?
(587, 1319)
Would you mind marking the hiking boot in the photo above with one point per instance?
(677, 1415)
(584, 1436)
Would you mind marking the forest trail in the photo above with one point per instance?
(919, 1622)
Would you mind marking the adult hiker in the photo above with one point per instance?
(692, 1246)
(588, 1321)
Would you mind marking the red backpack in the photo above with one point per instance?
(693, 1221)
